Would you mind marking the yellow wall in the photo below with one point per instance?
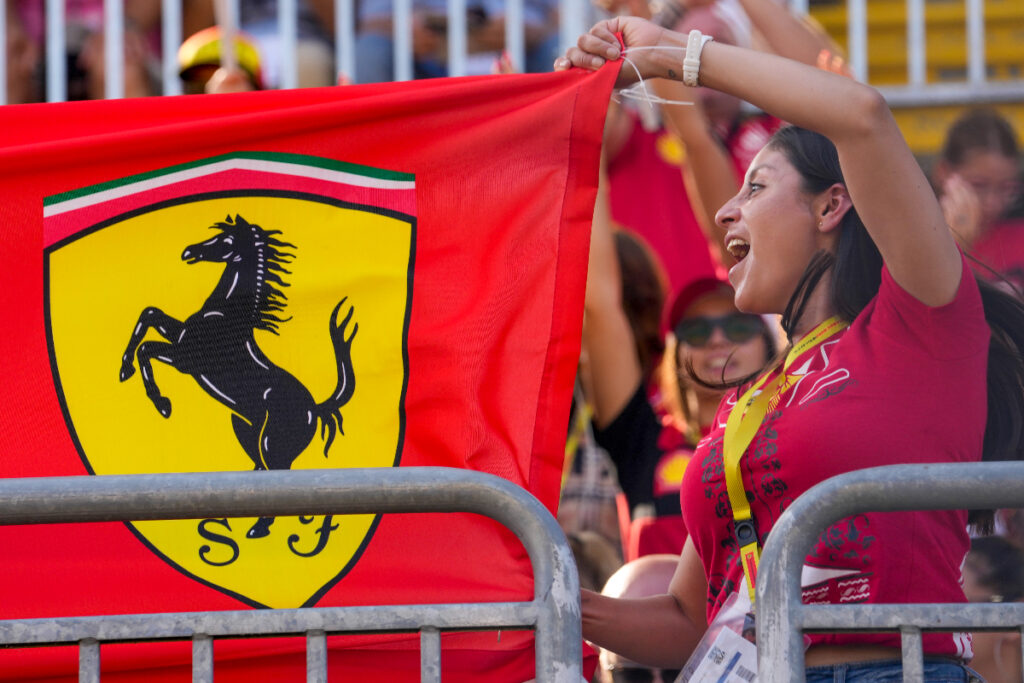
(925, 127)
(946, 56)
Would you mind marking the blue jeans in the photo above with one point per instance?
(936, 670)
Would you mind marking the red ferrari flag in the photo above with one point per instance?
(379, 276)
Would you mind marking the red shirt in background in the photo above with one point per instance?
(647, 194)
(1002, 249)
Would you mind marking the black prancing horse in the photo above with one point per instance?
(274, 416)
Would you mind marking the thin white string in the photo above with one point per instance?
(638, 91)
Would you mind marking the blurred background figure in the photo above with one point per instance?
(994, 572)
(640, 578)
(199, 63)
(26, 35)
(588, 498)
(485, 20)
(978, 177)
(596, 558)
(258, 19)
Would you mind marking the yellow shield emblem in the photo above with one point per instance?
(246, 312)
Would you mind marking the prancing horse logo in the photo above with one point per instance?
(274, 416)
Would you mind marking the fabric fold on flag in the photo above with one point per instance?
(362, 276)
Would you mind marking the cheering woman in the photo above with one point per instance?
(896, 355)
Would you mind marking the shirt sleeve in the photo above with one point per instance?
(953, 331)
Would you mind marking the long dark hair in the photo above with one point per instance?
(643, 295)
(979, 130)
(856, 278)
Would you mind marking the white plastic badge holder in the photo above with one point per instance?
(723, 654)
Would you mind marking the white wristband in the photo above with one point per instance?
(695, 43)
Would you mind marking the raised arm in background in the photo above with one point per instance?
(787, 34)
(709, 172)
(613, 368)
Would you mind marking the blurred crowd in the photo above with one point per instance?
(660, 328)
(258, 63)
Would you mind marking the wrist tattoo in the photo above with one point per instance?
(671, 73)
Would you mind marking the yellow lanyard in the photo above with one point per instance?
(743, 423)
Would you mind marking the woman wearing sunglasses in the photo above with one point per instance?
(651, 440)
(897, 355)
(710, 343)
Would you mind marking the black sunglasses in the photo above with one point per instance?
(636, 675)
(737, 327)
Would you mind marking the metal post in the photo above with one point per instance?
(3, 53)
(457, 37)
(430, 655)
(202, 658)
(170, 29)
(345, 38)
(288, 31)
(403, 40)
(857, 38)
(913, 653)
(976, 67)
(571, 22)
(56, 53)
(113, 49)
(515, 34)
(916, 49)
(316, 657)
(89, 661)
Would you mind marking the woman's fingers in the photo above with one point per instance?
(577, 57)
(592, 49)
(600, 42)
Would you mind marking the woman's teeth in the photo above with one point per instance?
(717, 364)
(738, 248)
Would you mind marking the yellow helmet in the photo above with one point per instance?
(203, 49)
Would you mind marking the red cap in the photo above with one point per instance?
(689, 294)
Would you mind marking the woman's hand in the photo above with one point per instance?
(600, 45)
(961, 209)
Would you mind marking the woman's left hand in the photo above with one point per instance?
(600, 45)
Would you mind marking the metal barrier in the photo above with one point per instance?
(781, 616)
(554, 612)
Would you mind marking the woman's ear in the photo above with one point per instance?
(830, 207)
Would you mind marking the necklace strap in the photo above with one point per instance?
(741, 427)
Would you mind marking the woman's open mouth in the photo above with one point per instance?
(739, 248)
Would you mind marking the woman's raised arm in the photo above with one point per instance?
(884, 181)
